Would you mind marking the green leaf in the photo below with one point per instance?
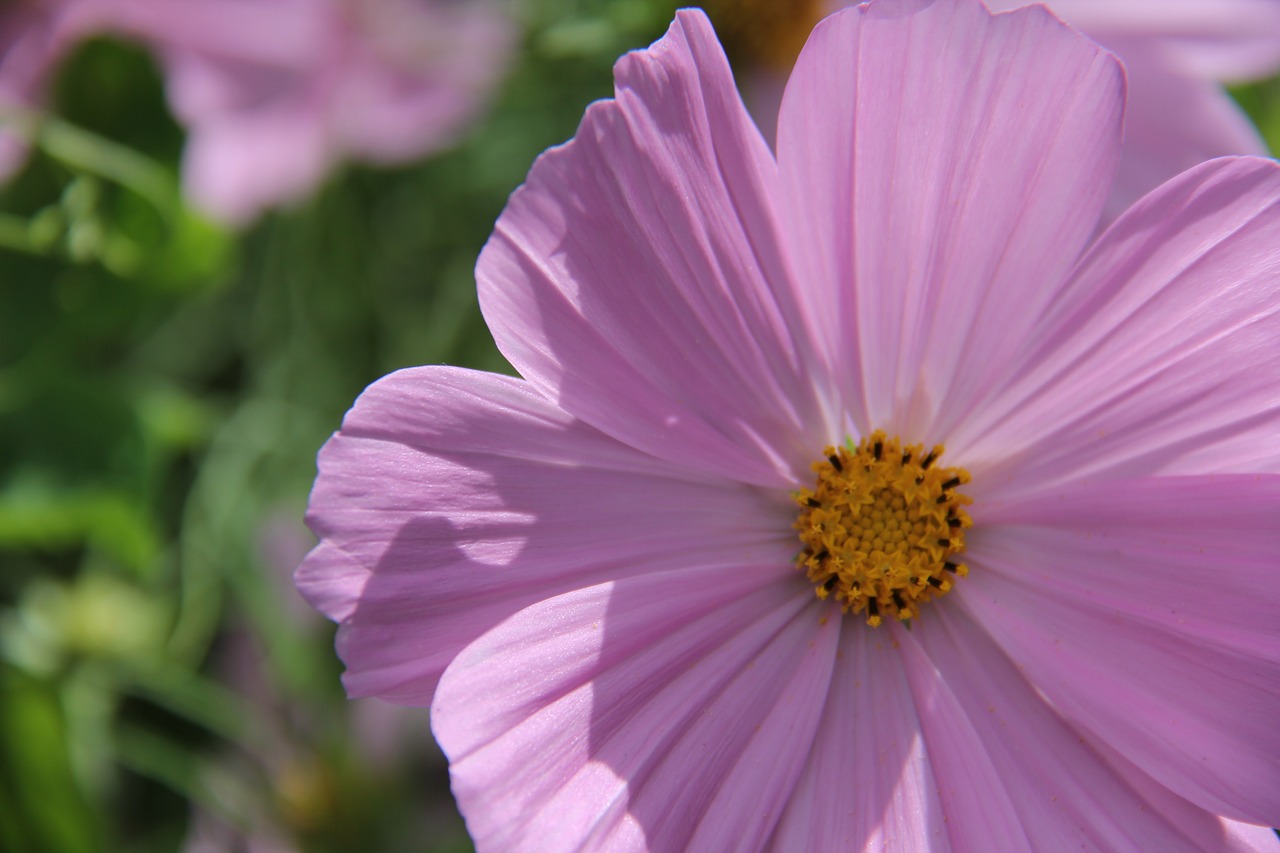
(41, 806)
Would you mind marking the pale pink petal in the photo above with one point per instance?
(421, 73)
(667, 712)
(867, 784)
(13, 149)
(411, 118)
(1231, 40)
(451, 499)
(1204, 830)
(979, 809)
(941, 175)
(1170, 534)
(1174, 122)
(637, 277)
(1146, 611)
(1160, 354)
(241, 76)
(990, 736)
(236, 166)
(275, 34)
(35, 36)
(33, 39)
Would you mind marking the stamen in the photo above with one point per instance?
(880, 531)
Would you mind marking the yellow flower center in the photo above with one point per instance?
(883, 527)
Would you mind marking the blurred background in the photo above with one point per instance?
(213, 235)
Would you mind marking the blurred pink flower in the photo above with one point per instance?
(34, 37)
(275, 93)
(22, 60)
(590, 573)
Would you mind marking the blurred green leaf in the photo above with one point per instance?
(193, 252)
(33, 516)
(194, 698)
(41, 806)
(1261, 101)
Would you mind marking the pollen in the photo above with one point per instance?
(883, 528)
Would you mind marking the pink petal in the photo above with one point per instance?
(245, 79)
(667, 712)
(1204, 830)
(867, 784)
(1146, 612)
(236, 166)
(34, 37)
(637, 277)
(275, 34)
(941, 175)
(13, 151)
(993, 741)
(452, 499)
(1174, 122)
(1160, 354)
(1232, 40)
(420, 73)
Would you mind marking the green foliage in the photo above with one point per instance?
(42, 808)
(1262, 102)
(164, 386)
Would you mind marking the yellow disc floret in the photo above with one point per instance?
(883, 527)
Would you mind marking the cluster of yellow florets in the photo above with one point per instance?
(882, 527)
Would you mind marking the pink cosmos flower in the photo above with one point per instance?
(275, 93)
(640, 599)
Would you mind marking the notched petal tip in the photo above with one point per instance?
(932, 168)
(330, 581)
(638, 278)
(892, 9)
